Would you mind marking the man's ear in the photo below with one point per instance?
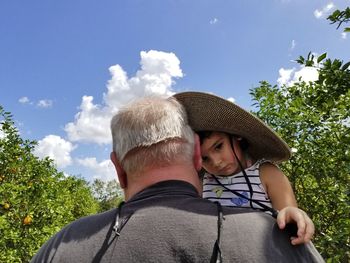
(197, 156)
(120, 171)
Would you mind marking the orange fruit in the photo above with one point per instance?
(28, 220)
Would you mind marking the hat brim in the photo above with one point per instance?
(207, 112)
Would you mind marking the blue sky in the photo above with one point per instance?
(67, 66)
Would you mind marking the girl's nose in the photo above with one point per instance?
(218, 162)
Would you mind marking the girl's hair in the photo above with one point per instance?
(243, 143)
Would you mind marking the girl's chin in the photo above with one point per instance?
(225, 172)
(228, 173)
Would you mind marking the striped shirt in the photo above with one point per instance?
(213, 191)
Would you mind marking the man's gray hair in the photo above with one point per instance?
(151, 131)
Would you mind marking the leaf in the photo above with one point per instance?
(309, 63)
(300, 60)
(345, 67)
(322, 57)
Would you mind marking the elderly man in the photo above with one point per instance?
(157, 159)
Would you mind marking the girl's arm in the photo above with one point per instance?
(282, 197)
(277, 186)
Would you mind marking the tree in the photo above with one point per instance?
(108, 194)
(36, 200)
(340, 17)
(314, 119)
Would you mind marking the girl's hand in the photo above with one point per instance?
(306, 228)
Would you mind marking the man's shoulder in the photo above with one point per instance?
(103, 217)
(248, 217)
(70, 239)
(95, 222)
(89, 225)
(255, 229)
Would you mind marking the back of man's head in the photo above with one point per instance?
(151, 131)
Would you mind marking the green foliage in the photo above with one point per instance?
(340, 17)
(108, 194)
(314, 119)
(36, 200)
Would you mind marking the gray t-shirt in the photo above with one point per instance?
(169, 222)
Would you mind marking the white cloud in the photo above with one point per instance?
(285, 76)
(346, 122)
(56, 148)
(158, 69)
(23, 100)
(231, 99)
(44, 103)
(293, 45)
(325, 11)
(343, 35)
(100, 170)
(317, 13)
(91, 123)
(2, 134)
(213, 21)
(294, 150)
(306, 74)
(290, 76)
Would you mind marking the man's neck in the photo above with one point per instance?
(138, 182)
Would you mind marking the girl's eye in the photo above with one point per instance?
(218, 146)
(204, 159)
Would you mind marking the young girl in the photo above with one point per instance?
(239, 155)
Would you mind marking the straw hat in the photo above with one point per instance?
(207, 112)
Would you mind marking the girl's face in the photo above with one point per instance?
(217, 155)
